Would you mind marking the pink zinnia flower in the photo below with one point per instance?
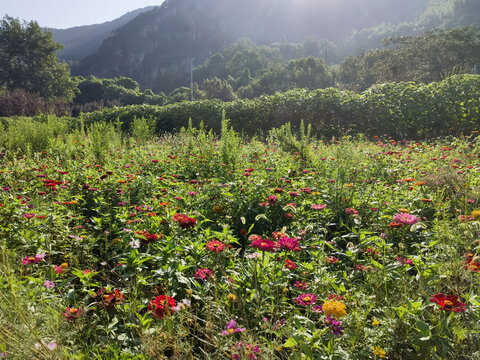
(203, 273)
(301, 285)
(286, 243)
(307, 299)
(33, 259)
(405, 218)
(404, 261)
(272, 199)
(318, 207)
(48, 284)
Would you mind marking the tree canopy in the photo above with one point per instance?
(28, 61)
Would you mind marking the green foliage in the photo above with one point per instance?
(27, 135)
(311, 73)
(218, 89)
(229, 146)
(120, 91)
(414, 58)
(398, 109)
(102, 139)
(28, 61)
(86, 247)
(142, 129)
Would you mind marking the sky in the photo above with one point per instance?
(63, 14)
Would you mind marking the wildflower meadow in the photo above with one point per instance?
(198, 245)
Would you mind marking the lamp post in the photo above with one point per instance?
(191, 79)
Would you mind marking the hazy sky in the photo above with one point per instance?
(68, 13)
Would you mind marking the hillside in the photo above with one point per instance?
(81, 41)
(156, 47)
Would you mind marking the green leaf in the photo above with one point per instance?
(293, 341)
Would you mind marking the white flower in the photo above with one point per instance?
(135, 243)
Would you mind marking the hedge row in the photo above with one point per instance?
(406, 110)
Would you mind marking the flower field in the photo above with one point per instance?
(190, 246)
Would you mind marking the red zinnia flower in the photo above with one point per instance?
(185, 221)
(216, 245)
(473, 265)
(109, 299)
(72, 313)
(449, 302)
(289, 264)
(394, 224)
(263, 244)
(162, 306)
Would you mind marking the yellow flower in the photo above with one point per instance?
(375, 322)
(378, 351)
(334, 307)
(189, 292)
(349, 185)
(232, 297)
(403, 210)
(64, 265)
(476, 213)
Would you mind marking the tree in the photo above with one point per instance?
(28, 61)
(218, 89)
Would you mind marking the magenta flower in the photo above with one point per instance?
(245, 349)
(307, 299)
(287, 243)
(318, 206)
(404, 261)
(28, 215)
(405, 218)
(232, 328)
(263, 244)
(331, 259)
(203, 273)
(33, 259)
(335, 325)
(48, 284)
(301, 285)
(272, 199)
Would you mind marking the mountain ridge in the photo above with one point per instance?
(80, 41)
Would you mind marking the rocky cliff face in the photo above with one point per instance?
(81, 41)
(156, 47)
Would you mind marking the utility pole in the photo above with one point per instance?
(191, 79)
